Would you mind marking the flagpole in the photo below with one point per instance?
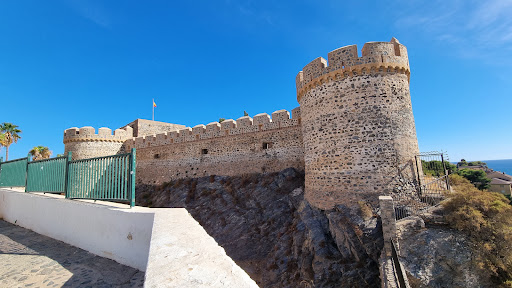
(153, 105)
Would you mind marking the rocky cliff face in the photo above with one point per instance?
(436, 256)
(269, 229)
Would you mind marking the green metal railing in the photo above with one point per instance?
(48, 175)
(14, 173)
(110, 178)
(104, 178)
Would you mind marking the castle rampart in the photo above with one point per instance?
(357, 123)
(247, 145)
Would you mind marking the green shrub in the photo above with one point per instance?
(477, 177)
(436, 168)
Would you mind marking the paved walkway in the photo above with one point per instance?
(28, 259)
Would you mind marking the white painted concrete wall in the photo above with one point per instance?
(167, 243)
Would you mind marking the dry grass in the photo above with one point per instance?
(365, 210)
(487, 218)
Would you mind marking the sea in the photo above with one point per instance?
(500, 165)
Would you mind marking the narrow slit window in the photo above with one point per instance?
(204, 151)
(266, 145)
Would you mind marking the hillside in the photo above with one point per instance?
(268, 229)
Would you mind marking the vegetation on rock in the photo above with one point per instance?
(365, 210)
(463, 162)
(477, 163)
(487, 218)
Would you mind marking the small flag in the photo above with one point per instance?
(154, 104)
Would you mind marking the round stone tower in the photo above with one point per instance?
(85, 143)
(357, 124)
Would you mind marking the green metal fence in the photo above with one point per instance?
(14, 173)
(110, 178)
(47, 175)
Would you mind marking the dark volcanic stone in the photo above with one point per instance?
(269, 229)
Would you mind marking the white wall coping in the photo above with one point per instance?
(181, 256)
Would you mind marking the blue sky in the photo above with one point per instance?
(99, 63)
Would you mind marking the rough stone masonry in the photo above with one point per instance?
(353, 134)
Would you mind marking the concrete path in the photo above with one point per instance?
(28, 259)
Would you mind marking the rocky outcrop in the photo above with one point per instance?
(269, 229)
(435, 255)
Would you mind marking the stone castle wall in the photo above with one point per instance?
(357, 123)
(85, 143)
(247, 145)
(354, 133)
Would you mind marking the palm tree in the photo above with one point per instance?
(11, 134)
(40, 153)
(2, 140)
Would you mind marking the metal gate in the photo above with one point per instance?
(433, 185)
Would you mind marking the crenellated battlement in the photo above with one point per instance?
(246, 124)
(377, 58)
(88, 134)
